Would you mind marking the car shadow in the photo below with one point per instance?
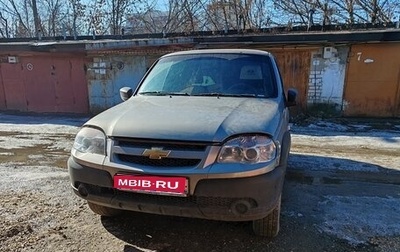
(150, 232)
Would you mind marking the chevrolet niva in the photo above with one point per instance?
(205, 135)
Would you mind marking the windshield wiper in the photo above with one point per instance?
(162, 93)
(153, 93)
(242, 95)
(177, 93)
(209, 94)
(226, 95)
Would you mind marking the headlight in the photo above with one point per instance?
(248, 149)
(90, 140)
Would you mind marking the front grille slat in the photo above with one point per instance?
(141, 144)
(181, 154)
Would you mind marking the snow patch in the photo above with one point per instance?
(324, 163)
(40, 124)
(322, 125)
(6, 154)
(359, 127)
(22, 141)
(342, 217)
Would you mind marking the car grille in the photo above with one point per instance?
(170, 146)
(180, 154)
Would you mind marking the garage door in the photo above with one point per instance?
(372, 87)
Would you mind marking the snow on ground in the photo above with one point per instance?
(40, 124)
(24, 131)
(326, 146)
(335, 145)
(344, 219)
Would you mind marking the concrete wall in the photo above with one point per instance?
(107, 74)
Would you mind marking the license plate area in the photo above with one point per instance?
(173, 186)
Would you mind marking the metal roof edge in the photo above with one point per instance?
(289, 38)
(132, 43)
(392, 35)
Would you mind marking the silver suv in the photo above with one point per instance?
(205, 134)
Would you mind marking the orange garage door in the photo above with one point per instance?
(372, 87)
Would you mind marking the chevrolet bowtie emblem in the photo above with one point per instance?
(156, 153)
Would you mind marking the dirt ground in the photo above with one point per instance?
(341, 194)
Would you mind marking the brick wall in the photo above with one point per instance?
(314, 87)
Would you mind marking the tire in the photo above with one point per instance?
(269, 225)
(286, 143)
(103, 210)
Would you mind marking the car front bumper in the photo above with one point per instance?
(229, 199)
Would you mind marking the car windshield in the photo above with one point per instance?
(238, 75)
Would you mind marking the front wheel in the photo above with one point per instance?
(269, 225)
(103, 210)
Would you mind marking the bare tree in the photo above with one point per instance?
(20, 14)
(4, 23)
(348, 11)
(52, 15)
(118, 11)
(379, 11)
(77, 11)
(192, 13)
(339, 11)
(217, 15)
(38, 27)
(295, 10)
(178, 16)
(97, 16)
(233, 14)
(145, 19)
(259, 14)
(26, 18)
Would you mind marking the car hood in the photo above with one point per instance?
(210, 119)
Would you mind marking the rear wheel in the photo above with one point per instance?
(103, 210)
(269, 225)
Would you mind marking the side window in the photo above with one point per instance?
(251, 75)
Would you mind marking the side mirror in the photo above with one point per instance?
(125, 93)
(291, 97)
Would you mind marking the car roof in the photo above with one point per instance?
(220, 51)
